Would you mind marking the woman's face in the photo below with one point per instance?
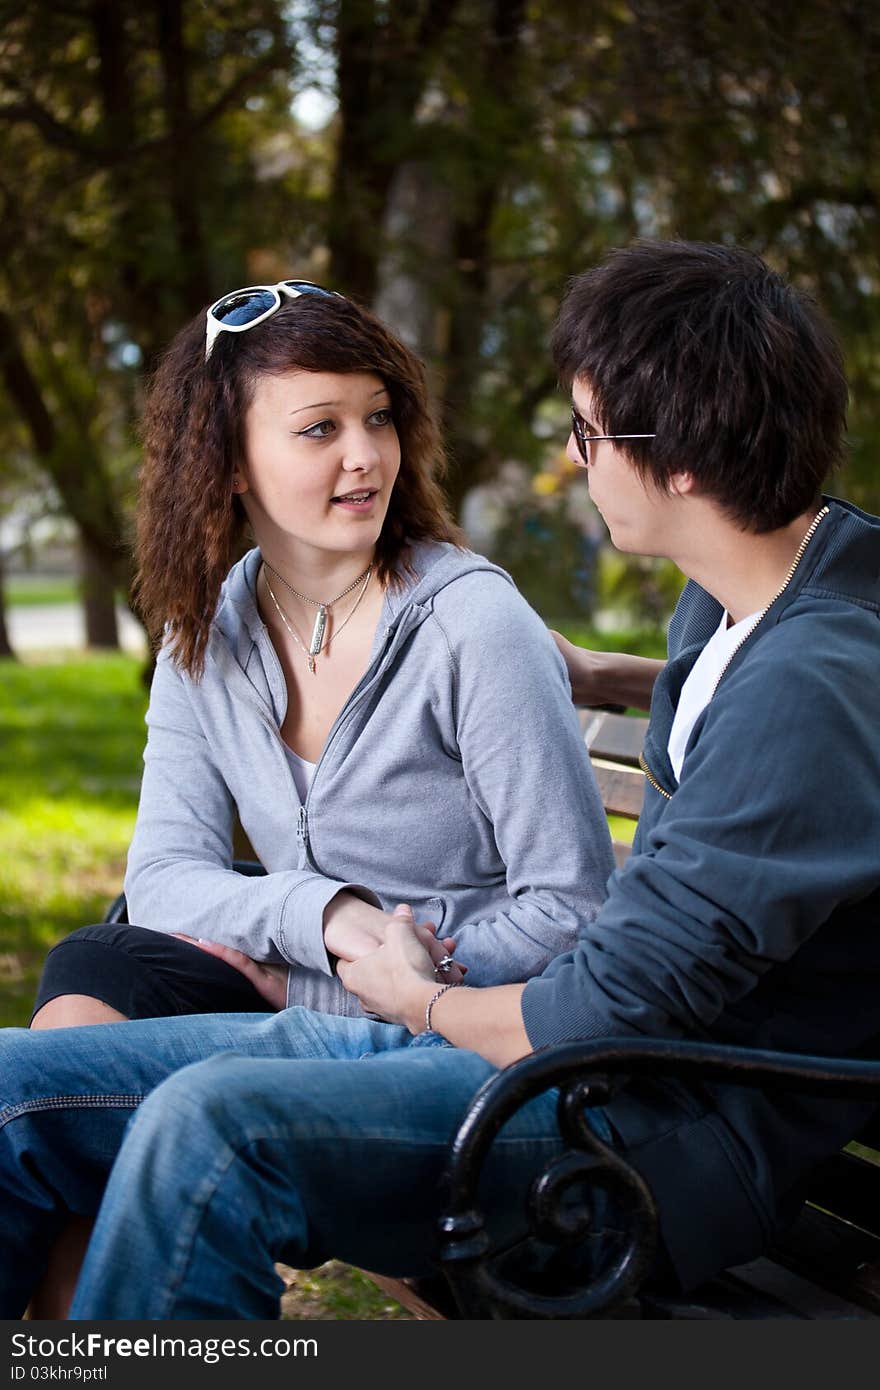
(321, 458)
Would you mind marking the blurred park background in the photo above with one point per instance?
(451, 163)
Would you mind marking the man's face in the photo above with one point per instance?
(635, 511)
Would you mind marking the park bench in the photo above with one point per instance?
(826, 1266)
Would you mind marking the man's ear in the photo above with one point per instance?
(681, 484)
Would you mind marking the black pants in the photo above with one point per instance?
(144, 974)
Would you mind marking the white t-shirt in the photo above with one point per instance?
(699, 687)
(303, 772)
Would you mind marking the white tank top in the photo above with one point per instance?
(303, 772)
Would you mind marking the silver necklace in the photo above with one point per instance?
(319, 641)
(316, 601)
(323, 608)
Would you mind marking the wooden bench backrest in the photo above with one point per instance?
(615, 742)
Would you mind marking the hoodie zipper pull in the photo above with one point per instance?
(303, 827)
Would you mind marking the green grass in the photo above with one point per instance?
(23, 591)
(72, 736)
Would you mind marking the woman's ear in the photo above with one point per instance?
(239, 482)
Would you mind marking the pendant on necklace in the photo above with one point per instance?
(318, 632)
(312, 665)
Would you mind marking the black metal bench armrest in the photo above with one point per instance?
(586, 1073)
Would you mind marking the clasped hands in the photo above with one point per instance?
(380, 957)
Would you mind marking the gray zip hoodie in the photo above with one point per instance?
(454, 778)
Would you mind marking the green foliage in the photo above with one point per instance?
(130, 194)
(639, 641)
(546, 552)
(643, 589)
(149, 166)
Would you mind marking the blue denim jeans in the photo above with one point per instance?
(236, 1141)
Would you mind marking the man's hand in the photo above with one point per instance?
(397, 979)
(268, 980)
(584, 671)
(608, 678)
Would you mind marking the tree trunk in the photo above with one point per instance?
(99, 598)
(383, 54)
(362, 171)
(73, 463)
(472, 458)
(183, 170)
(415, 268)
(5, 644)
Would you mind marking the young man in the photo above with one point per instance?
(708, 409)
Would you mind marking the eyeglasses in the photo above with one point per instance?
(585, 437)
(240, 310)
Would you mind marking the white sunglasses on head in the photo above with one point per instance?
(243, 309)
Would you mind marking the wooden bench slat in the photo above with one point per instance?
(723, 1299)
(622, 790)
(838, 1256)
(428, 1300)
(617, 737)
(803, 1297)
(760, 1289)
(849, 1187)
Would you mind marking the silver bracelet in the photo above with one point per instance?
(453, 984)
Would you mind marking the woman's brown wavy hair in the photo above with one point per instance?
(189, 525)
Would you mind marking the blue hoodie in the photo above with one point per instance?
(749, 911)
(454, 779)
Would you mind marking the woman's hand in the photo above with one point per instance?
(353, 928)
(397, 979)
(270, 981)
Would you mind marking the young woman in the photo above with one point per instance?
(385, 714)
(378, 706)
